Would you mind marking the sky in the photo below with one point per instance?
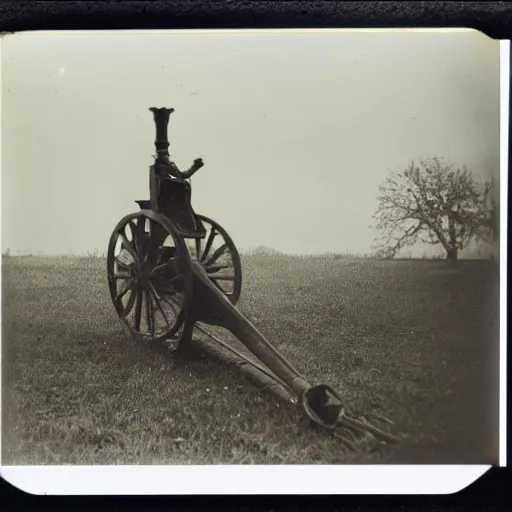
(297, 130)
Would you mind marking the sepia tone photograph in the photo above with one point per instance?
(250, 247)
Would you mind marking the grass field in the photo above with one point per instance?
(414, 341)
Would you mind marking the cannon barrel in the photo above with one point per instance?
(161, 117)
(214, 307)
(211, 306)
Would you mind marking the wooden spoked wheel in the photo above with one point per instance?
(149, 275)
(218, 256)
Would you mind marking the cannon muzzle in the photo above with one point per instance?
(321, 403)
(161, 117)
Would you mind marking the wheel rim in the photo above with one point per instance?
(219, 257)
(149, 275)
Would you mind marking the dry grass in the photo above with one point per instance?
(414, 341)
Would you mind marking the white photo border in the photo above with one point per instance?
(285, 479)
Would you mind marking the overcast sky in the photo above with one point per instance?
(297, 130)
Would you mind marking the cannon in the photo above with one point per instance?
(165, 277)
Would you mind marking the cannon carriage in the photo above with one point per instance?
(170, 268)
(149, 261)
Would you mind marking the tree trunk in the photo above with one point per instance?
(451, 255)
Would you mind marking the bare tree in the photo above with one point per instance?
(491, 225)
(431, 203)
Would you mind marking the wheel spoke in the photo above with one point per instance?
(157, 300)
(138, 237)
(126, 244)
(166, 290)
(219, 287)
(168, 300)
(138, 311)
(216, 268)
(150, 320)
(209, 243)
(216, 255)
(221, 277)
(121, 263)
(121, 276)
(198, 248)
(156, 239)
(168, 264)
(123, 291)
(129, 304)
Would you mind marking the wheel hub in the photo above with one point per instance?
(143, 279)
